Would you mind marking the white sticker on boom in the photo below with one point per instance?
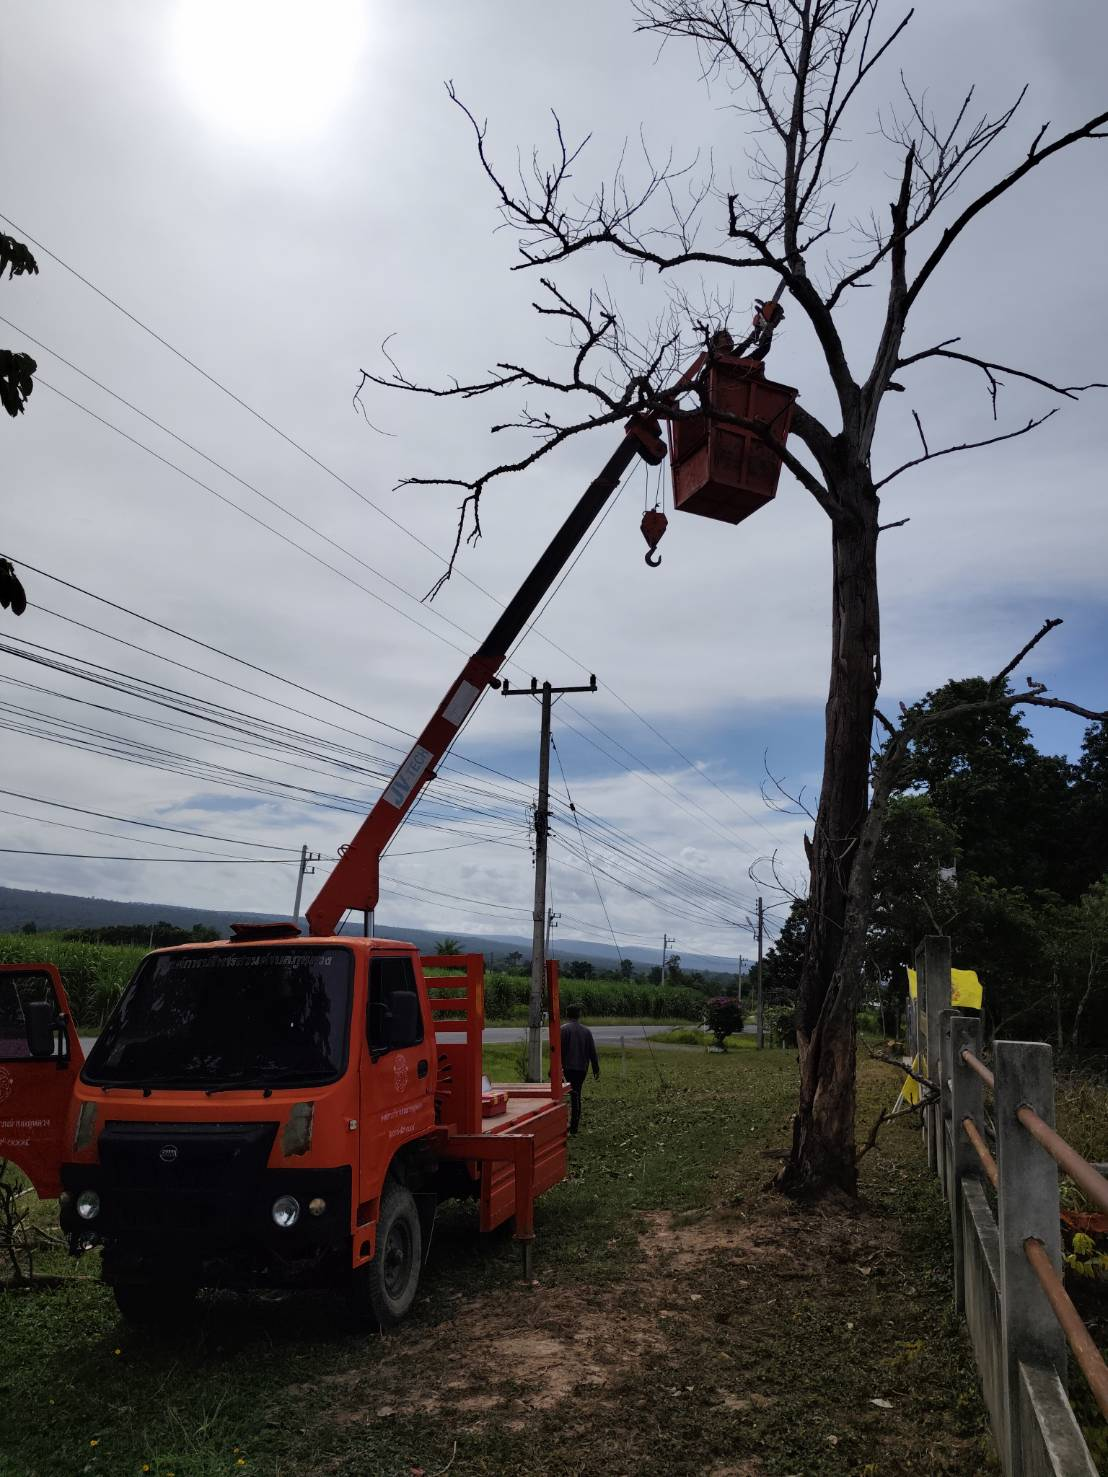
(407, 777)
(460, 704)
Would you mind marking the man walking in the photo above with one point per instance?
(578, 1054)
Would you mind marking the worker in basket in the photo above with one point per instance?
(578, 1054)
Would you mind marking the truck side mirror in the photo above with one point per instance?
(41, 1019)
(404, 1018)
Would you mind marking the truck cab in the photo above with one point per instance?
(283, 1111)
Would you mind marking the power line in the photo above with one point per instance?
(185, 861)
(151, 825)
(284, 537)
(293, 543)
(577, 823)
(231, 657)
(129, 749)
(701, 884)
(114, 835)
(329, 471)
(198, 451)
(706, 815)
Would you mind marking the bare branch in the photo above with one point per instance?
(884, 722)
(990, 368)
(887, 1115)
(1035, 156)
(922, 437)
(1043, 631)
(965, 446)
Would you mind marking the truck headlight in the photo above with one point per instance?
(286, 1211)
(317, 1206)
(88, 1205)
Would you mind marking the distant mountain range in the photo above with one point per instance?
(58, 910)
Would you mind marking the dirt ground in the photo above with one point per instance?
(721, 1325)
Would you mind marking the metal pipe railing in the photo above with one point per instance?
(1068, 1160)
(988, 1163)
(979, 1067)
(1080, 1341)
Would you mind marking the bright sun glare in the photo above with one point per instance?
(268, 69)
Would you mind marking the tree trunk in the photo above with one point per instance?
(823, 1131)
(1090, 980)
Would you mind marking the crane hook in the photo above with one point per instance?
(654, 524)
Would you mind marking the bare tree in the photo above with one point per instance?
(793, 70)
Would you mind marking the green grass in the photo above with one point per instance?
(684, 1036)
(805, 1319)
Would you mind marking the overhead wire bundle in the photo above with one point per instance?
(485, 797)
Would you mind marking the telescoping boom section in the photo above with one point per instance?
(354, 884)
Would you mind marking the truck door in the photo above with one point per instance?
(397, 1075)
(36, 1086)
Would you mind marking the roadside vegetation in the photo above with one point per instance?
(685, 1319)
(94, 975)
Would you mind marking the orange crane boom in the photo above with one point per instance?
(354, 882)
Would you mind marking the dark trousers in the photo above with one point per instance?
(576, 1081)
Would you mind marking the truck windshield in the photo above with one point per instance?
(228, 1018)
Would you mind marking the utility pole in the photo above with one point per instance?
(761, 921)
(666, 941)
(306, 870)
(546, 693)
(740, 981)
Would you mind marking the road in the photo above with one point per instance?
(504, 1035)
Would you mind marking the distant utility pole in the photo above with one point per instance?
(761, 923)
(666, 941)
(546, 693)
(306, 870)
(551, 924)
(740, 980)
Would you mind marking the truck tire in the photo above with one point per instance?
(391, 1279)
(161, 1305)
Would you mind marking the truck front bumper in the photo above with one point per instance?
(214, 1234)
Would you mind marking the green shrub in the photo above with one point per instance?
(723, 1016)
(783, 1026)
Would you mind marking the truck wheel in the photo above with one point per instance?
(392, 1277)
(164, 1305)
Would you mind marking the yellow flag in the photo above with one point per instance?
(965, 988)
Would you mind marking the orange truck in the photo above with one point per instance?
(289, 1109)
(273, 1111)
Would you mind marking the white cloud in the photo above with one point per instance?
(281, 270)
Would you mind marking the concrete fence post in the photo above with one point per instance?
(1027, 1206)
(946, 1137)
(967, 1100)
(934, 985)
